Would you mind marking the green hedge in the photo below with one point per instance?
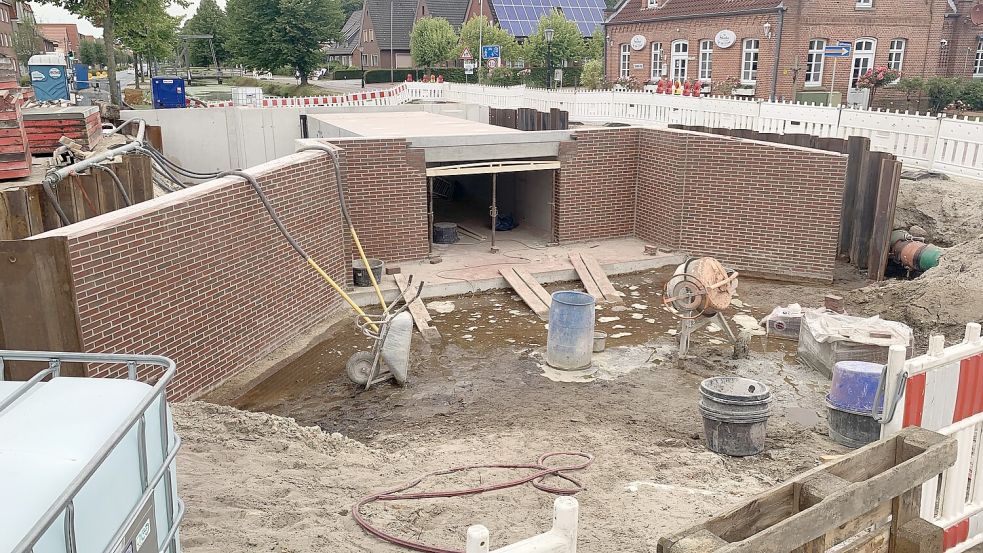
(504, 77)
(342, 74)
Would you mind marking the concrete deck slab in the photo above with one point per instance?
(407, 123)
(473, 268)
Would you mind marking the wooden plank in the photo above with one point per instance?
(526, 293)
(601, 278)
(857, 147)
(589, 285)
(34, 201)
(421, 317)
(37, 302)
(863, 224)
(15, 213)
(155, 137)
(885, 205)
(89, 190)
(108, 197)
(920, 536)
(535, 286)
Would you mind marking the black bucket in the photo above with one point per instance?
(361, 277)
(445, 233)
(852, 429)
(735, 415)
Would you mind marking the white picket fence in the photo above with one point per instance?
(943, 392)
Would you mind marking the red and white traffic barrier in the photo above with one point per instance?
(943, 392)
(393, 96)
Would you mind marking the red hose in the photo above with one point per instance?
(536, 479)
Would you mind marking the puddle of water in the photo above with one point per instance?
(803, 416)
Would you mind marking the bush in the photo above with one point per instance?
(343, 74)
(592, 75)
(501, 76)
(943, 91)
(972, 95)
(25, 80)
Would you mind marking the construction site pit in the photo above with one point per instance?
(483, 394)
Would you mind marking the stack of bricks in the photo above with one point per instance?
(15, 158)
(46, 125)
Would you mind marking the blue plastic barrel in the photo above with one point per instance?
(570, 340)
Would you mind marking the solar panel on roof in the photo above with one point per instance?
(521, 17)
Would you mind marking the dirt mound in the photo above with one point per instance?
(948, 210)
(942, 300)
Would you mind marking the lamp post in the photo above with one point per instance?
(548, 35)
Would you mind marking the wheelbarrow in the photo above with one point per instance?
(392, 332)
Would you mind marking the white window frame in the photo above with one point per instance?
(865, 4)
(680, 60)
(978, 62)
(657, 65)
(706, 60)
(815, 62)
(750, 56)
(896, 53)
(857, 71)
(652, 3)
(624, 68)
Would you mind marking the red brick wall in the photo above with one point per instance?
(763, 208)
(386, 193)
(595, 187)
(202, 275)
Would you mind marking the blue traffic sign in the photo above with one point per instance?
(491, 51)
(841, 50)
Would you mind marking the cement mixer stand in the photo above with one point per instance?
(697, 293)
(689, 326)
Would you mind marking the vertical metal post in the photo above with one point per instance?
(55, 366)
(493, 211)
(70, 544)
(554, 235)
(131, 370)
(430, 216)
(481, 27)
(392, 59)
(142, 452)
(168, 482)
(1, 369)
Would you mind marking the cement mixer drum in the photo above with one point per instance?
(701, 286)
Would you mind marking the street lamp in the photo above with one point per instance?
(548, 35)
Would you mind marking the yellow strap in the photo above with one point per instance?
(338, 289)
(361, 253)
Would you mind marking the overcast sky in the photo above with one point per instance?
(46, 13)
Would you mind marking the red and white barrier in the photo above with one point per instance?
(943, 392)
(562, 538)
(399, 94)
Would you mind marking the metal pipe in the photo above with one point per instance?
(58, 175)
(778, 52)
(493, 211)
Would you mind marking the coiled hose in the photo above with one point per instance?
(536, 479)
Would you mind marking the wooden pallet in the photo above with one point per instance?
(529, 289)
(595, 280)
(421, 317)
(865, 502)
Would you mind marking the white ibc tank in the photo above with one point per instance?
(54, 439)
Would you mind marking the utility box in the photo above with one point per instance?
(81, 76)
(168, 92)
(49, 77)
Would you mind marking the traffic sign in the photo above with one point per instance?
(492, 63)
(841, 50)
(489, 51)
(466, 55)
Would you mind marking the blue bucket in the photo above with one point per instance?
(855, 386)
(570, 340)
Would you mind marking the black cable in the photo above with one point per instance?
(337, 176)
(119, 184)
(153, 152)
(269, 209)
(170, 176)
(161, 185)
(49, 191)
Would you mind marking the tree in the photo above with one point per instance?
(27, 41)
(348, 7)
(943, 91)
(595, 46)
(104, 13)
(150, 36)
(491, 33)
(911, 86)
(269, 34)
(567, 45)
(432, 41)
(92, 52)
(592, 76)
(876, 78)
(209, 19)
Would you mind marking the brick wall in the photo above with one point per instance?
(763, 208)
(386, 193)
(595, 187)
(202, 275)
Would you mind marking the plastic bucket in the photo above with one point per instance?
(445, 233)
(600, 339)
(735, 414)
(851, 403)
(852, 429)
(570, 340)
(360, 276)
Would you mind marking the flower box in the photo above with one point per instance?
(743, 92)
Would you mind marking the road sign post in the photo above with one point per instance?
(836, 51)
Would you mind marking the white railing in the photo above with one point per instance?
(562, 538)
(943, 392)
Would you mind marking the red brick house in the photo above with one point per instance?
(386, 27)
(774, 47)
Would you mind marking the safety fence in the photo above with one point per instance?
(399, 94)
(943, 391)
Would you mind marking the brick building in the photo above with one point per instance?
(9, 68)
(386, 26)
(775, 49)
(64, 35)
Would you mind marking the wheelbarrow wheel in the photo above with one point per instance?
(359, 367)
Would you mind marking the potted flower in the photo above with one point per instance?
(878, 77)
(626, 83)
(743, 89)
(725, 87)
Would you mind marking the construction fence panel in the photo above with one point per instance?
(960, 148)
(785, 118)
(942, 391)
(911, 137)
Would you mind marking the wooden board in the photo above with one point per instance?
(887, 200)
(421, 317)
(856, 167)
(863, 220)
(525, 292)
(585, 277)
(601, 278)
(535, 286)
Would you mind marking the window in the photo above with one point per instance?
(706, 59)
(749, 68)
(625, 61)
(863, 59)
(895, 54)
(978, 64)
(814, 62)
(680, 59)
(657, 68)
(865, 4)
(375, 60)
(652, 3)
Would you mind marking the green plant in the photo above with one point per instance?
(490, 33)
(972, 95)
(725, 87)
(942, 91)
(592, 75)
(501, 76)
(630, 83)
(432, 41)
(878, 77)
(911, 86)
(567, 45)
(342, 74)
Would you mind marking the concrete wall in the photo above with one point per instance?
(203, 276)
(534, 194)
(219, 139)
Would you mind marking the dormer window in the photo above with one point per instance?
(652, 3)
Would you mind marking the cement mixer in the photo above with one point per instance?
(698, 291)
